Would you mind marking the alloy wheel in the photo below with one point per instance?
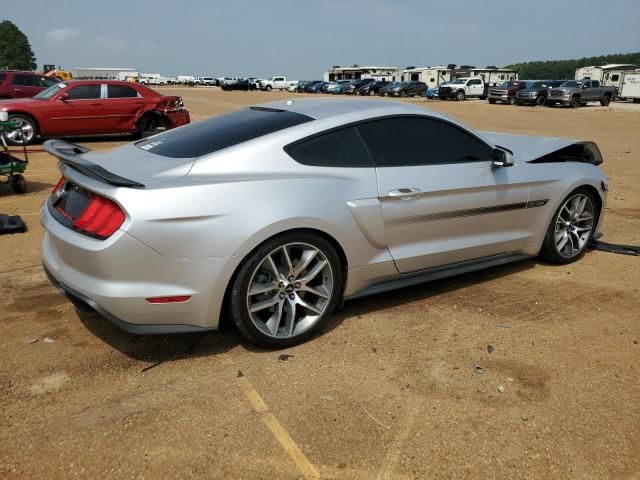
(289, 290)
(573, 225)
(23, 134)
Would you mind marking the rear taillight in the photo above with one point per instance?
(100, 218)
(58, 185)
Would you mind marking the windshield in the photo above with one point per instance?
(571, 83)
(458, 81)
(50, 92)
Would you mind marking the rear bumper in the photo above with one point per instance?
(116, 275)
(179, 118)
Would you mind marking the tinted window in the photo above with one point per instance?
(615, 78)
(2, 77)
(84, 92)
(46, 82)
(595, 83)
(340, 148)
(121, 91)
(24, 80)
(215, 133)
(420, 141)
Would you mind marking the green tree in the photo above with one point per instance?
(15, 51)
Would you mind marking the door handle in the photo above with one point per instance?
(404, 193)
(95, 104)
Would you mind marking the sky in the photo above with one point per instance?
(302, 39)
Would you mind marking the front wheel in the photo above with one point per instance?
(571, 228)
(268, 88)
(541, 100)
(492, 101)
(26, 132)
(511, 100)
(403, 94)
(575, 102)
(460, 96)
(286, 289)
(606, 100)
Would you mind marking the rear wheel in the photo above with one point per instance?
(19, 183)
(286, 289)
(575, 102)
(606, 100)
(511, 100)
(26, 133)
(150, 125)
(571, 228)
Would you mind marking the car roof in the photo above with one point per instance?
(92, 81)
(333, 107)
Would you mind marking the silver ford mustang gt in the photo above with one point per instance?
(277, 213)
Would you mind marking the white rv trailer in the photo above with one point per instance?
(630, 86)
(607, 74)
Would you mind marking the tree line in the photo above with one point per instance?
(566, 69)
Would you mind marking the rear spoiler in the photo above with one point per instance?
(70, 154)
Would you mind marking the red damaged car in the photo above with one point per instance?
(94, 107)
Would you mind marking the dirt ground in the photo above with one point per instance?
(387, 391)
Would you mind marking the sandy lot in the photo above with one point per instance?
(388, 390)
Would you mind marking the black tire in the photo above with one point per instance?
(240, 285)
(636, 100)
(575, 102)
(511, 100)
(151, 124)
(25, 120)
(549, 252)
(268, 88)
(492, 101)
(460, 96)
(606, 100)
(19, 183)
(541, 100)
(403, 94)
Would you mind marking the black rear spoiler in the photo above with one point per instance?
(70, 154)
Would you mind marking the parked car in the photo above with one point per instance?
(463, 88)
(94, 107)
(576, 93)
(387, 195)
(20, 84)
(277, 83)
(382, 91)
(302, 85)
(205, 81)
(354, 86)
(372, 88)
(315, 87)
(407, 89)
(432, 93)
(536, 92)
(240, 84)
(507, 92)
(338, 87)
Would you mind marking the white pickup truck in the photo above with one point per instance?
(276, 83)
(461, 88)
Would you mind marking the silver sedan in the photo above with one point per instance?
(276, 213)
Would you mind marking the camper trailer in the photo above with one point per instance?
(630, 86)
(432, 76)
(608, 75)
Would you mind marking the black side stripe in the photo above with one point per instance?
(473, 211)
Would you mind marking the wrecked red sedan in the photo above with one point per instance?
(93, 107)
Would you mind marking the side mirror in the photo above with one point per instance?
(585, 86)
(500, 158)
(64, 96)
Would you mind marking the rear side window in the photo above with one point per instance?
(23, 80)
(121, 91)
(84, 92)
(2, 77)
(340, 148)
(407, 141)
(223, 131)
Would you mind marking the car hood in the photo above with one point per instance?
(527, 148)
(21, 103)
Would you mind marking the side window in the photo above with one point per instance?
(22, 80)
(615, 78)
(121, 91)
(405, 141)
(595, 83)
(340, 148)
(84, 92)
(3, 76)
(45, 82)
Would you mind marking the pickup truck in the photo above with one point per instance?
(276, 83)
(461, 88)
(576, 93)
(507, 92)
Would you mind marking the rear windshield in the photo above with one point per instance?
(213, 134)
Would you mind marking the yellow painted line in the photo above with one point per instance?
(271, 422)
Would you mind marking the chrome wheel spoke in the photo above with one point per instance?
(305, 260)
(274, 269)
(258, 288)
(308, 306)
(290, 318)
(273, 324)
(563, 241)
(572, 234)
(261, 305)
(314, 272)
(287, 258)
(317, 292)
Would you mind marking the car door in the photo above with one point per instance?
(24, 85)
(442, 200)
(475, 87)
(122, 106)
(77, 110)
